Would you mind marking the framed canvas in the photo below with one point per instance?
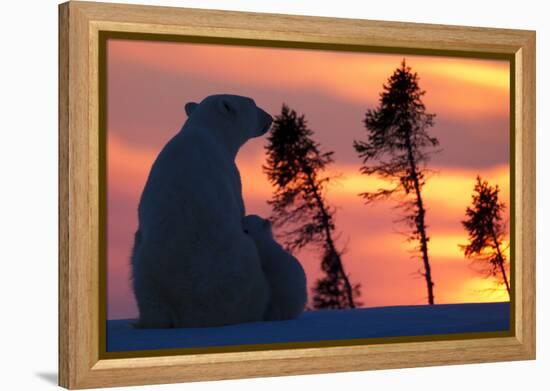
(247, 195)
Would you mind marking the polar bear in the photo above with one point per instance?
(192, 264)
(284, 273)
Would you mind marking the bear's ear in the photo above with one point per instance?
(190, 107)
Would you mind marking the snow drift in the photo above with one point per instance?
(320, 326)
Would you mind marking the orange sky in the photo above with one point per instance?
(150, 82)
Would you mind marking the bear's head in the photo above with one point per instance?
(234, 118)
(257, 227)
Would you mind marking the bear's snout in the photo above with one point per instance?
(264, 121)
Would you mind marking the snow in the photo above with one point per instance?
(320, 326)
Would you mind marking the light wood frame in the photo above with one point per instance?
(80, 365)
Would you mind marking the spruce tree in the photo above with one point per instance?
(486, 231)
(396, 149)
(300, 212)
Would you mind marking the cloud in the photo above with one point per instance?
(145, 107)
(354, 77)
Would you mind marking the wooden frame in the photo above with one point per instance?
(80, 24)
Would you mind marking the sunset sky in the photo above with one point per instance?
(148, 84)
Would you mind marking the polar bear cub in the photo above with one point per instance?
(284, 273)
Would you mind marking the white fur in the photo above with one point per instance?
(193, 266)
(284, 273)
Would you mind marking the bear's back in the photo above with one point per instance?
(190, 183)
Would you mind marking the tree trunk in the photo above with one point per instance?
(500, 261)
(420, 223)
(330, 242)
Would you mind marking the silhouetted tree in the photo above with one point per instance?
(295, 167)
(328, 290)
(397, 149)
(486, 231)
